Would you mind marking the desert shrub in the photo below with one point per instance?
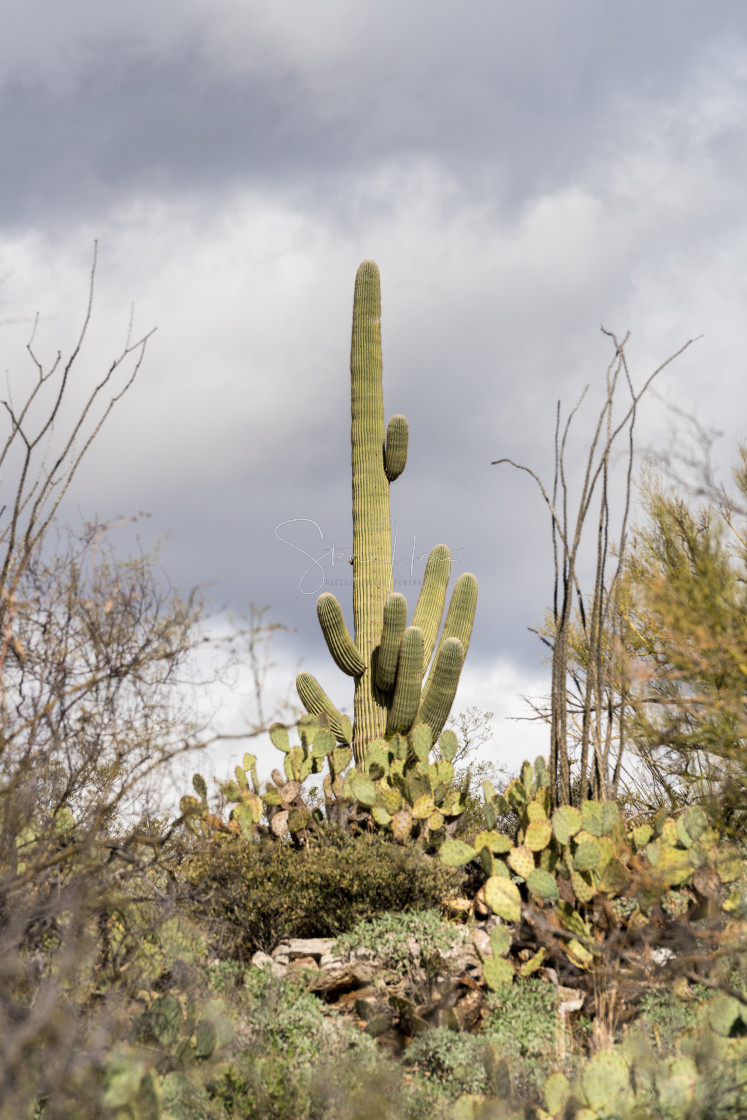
(521, 1022)
(390, 937)
(663, 1014)
(281, 1070)
(454, 1061)
(254, 893)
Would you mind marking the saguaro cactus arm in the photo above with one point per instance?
(429, 608)
(409, 678)
(341, 645)
(316, 702)
(439, 692)
(461, 613)
(395, 450)
(395, 621)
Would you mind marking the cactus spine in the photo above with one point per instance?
(387, 659)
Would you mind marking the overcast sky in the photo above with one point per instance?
(522, 174)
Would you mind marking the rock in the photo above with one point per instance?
(342, 978)
(464, 958)
(328, 960)
(298, 963)
(310, 947)
(261, 960)
(469, 1008)
(569, 1000)
(365, 1008)
(281, 953)
(379, 1024)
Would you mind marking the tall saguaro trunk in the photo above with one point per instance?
(372, 538)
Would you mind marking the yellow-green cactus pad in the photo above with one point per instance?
(455, 853)
(362, 788)
(500, 940)
(448, 744)
(606, 1077)
(423, 806)
(279, 737)
(566, 822)
(503, 898)
(614, 877)
(582, 889)
(587, 856)
(557, 1092)
(538, 834)
(390, 798)
(497, 972)
(542, 885)
(599, 818)
(521, 860)
(498, 842)
(402, 824)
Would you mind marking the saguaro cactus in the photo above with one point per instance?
(388, 659)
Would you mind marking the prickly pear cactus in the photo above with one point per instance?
(705, 1076)
(388, 659)
(165, 1069)
(576, 864)
(399, 789)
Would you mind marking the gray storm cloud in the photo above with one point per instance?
(522, 174)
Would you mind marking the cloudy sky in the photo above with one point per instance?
(522, 174)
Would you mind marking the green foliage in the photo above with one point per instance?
(393, 937)
(456, 1062)
(168, 1064)
(285, 1019)
(521, 1020)
(295, 1053)
(255, 893)
(686, 611)
(664, 1015)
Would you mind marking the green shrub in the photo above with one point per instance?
(453, 1061)
(282, 1071)
(255, 893)
(389, 937)
(521, 1022)
(663, 1016)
